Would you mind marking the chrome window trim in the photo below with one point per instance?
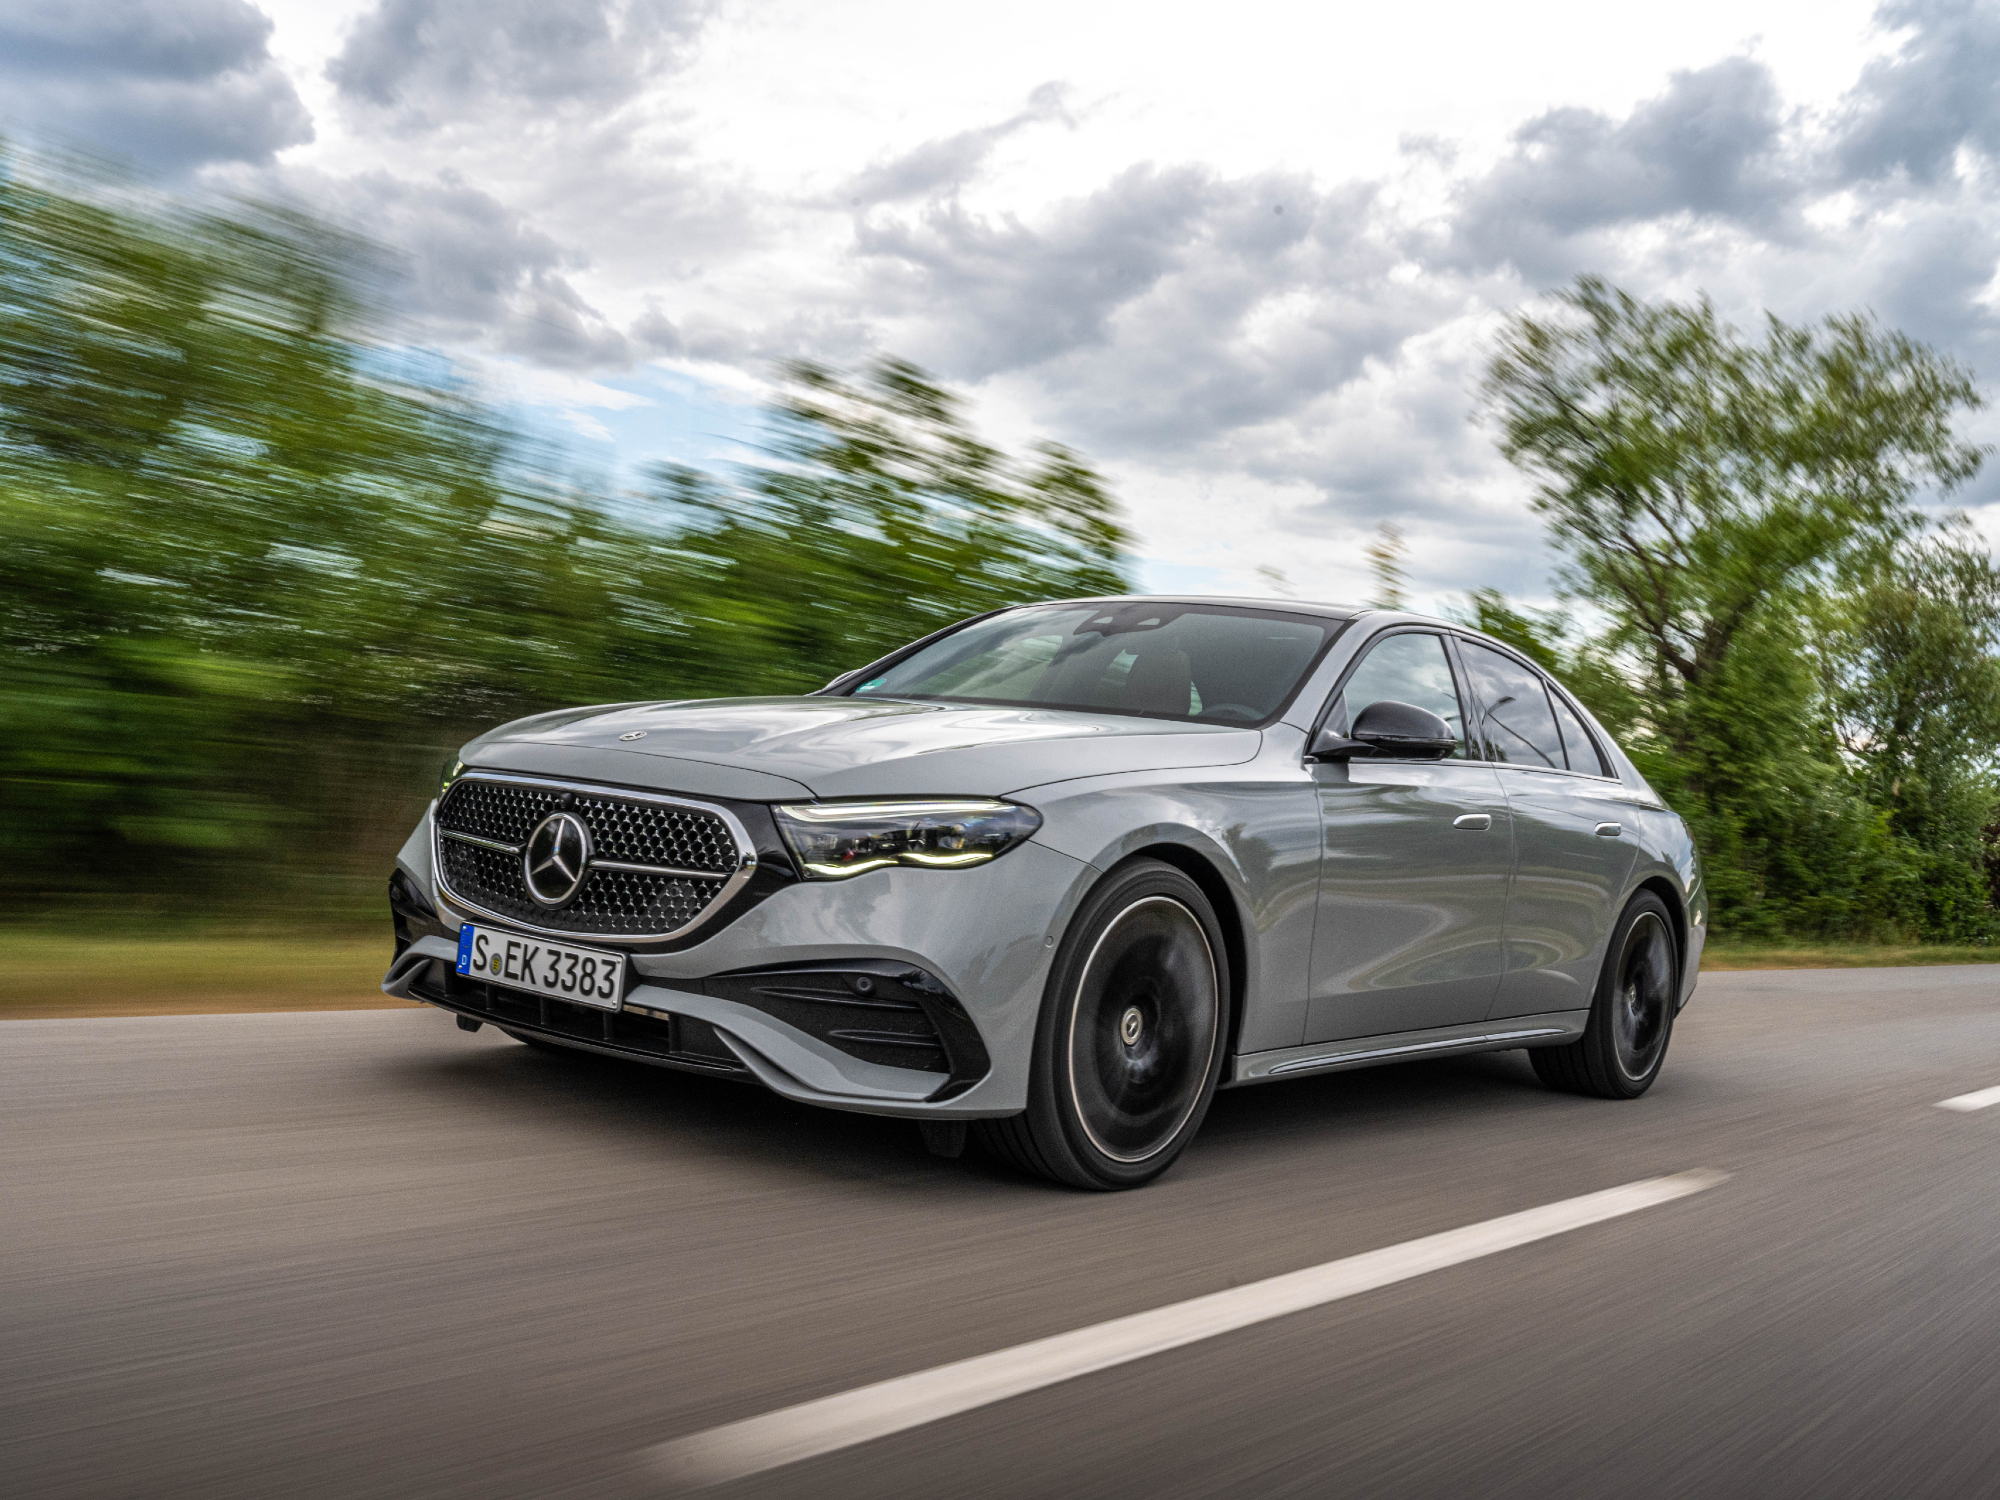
(1508, 765)
(746, 854)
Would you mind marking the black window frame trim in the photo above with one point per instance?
(1551, 686)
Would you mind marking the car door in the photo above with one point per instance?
(1413, 868)
(1571, 851)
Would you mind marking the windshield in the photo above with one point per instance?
(1213, 663)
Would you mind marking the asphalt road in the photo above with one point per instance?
(363, 1254)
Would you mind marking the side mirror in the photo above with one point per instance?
(1387, 730)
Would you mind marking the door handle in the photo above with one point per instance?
(1609, 830)
(1475, 822)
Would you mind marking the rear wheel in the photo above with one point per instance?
(1632, 1017)
(1130, 1043)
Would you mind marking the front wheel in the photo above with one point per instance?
(1625, 1041)
(1130, 1044)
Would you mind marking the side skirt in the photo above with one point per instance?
(1548, 1030)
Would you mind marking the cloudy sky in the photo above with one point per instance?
(1245, 257)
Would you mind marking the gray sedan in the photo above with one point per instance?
(1049, 878)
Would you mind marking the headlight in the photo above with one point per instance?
(834, 840)
(453, 769)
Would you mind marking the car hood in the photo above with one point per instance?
(773, 748)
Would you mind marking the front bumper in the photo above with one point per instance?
(987, 934)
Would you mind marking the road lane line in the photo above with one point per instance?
(814, 1427)
(1966, 1103)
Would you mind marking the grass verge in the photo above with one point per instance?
(86, 972)
(1723, 956)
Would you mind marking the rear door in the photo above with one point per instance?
(1414, 868)
(1572, 852)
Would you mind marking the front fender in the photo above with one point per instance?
(1255, 825)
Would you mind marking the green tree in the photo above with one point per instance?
(212, 516)
(1708, 493)
(259, 567)
(881, 517)
(1915, 690)
(1385, 556)
(1580, 661)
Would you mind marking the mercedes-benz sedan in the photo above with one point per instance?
(1055, 875)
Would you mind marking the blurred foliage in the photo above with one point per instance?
(260, 568)
(1385, 553)
(882, 518)
(1797, 656)
(257, 575)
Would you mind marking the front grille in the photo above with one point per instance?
(633, 833)
(625, 903)
(678, 1039)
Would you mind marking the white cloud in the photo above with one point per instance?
(172, 84)
(1249, 267)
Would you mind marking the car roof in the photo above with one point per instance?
(1239, 601)
(1317, 608)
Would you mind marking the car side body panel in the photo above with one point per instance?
(1570, 882)
(1413, 896)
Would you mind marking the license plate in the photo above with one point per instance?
(582, 976)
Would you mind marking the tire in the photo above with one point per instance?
(1131, 1040)
(1631, 1021)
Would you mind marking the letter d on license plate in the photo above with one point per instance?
(582, 976)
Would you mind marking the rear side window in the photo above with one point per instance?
(1516, 721)
(1583, 752)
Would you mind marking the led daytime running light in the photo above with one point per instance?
(839, 840)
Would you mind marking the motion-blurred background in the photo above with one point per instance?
(373, 373)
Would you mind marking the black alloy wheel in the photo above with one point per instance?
(1632, 1016)
(1132, 1036)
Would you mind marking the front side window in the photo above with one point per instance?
(1517, 723)
(1217, 664)
(1409, 668)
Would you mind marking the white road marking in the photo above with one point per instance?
(1966, 1103)
(834, 1422)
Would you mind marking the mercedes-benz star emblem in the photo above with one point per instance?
(556, 859)
(633, 734)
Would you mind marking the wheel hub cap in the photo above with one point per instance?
(1130, 1025)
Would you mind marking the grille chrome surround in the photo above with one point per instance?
(678, 898)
